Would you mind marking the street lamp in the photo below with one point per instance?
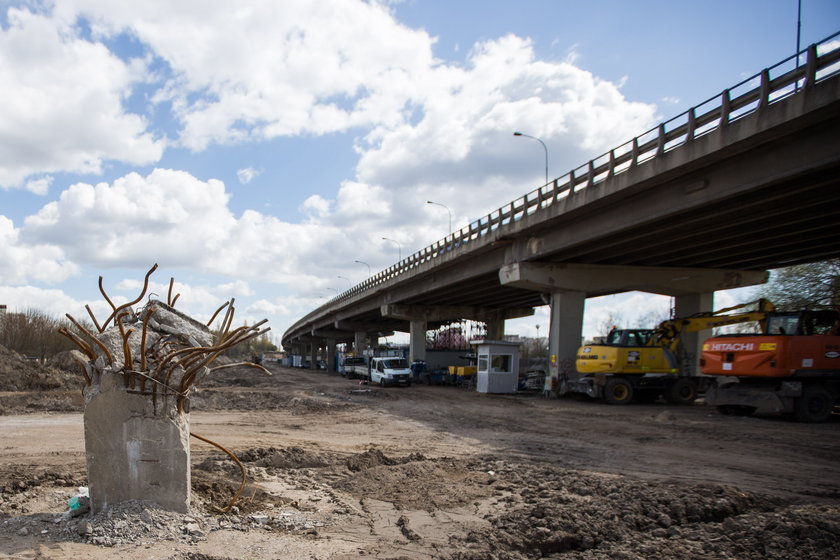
(544, 148)
(366, 264)
(448, 210)
(349, 283)
(333, 289)
(399, 247)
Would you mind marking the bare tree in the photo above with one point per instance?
(611, 321)
(33, 333)
(652, 318)
(805, 286)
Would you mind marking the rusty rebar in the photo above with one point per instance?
(169, 294)
(129, 304)
(128, 363)
(219, 310)
(86, 348)
(241, 364)
(92, 337)
(83, 367)
(241, 469)
(102, 291)
(149, 312)
(93, 318)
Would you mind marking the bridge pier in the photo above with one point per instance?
(417, 341)
(330, 359)
(685, 306)
(495, 323)
(564, 338)
(359, 343)
(313, 355)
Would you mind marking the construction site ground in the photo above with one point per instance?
(340, 470)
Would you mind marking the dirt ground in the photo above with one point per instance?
(337, 470)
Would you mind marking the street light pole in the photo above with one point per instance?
(447, 209)
(399, 247)
(544, 148)
(349, 283)
(366, 264)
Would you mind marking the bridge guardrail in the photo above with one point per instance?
(747, 97)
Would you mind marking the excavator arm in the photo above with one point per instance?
(667, 334)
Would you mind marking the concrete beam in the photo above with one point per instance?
(609, 279)
(356, 326)
(451, 312)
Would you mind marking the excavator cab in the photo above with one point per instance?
(803, 323)
(628, 337)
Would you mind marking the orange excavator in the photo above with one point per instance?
(792, 367)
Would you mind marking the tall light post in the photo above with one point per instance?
(366, 264)
(447, 209)
(333, 289)
(399, 247)
(349, 283)
(544, 148)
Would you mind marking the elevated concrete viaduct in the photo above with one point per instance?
(747, 181)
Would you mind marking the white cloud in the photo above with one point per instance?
(22, 262)
(62, 103)
(247, 175)
(316, 205)
(53, 302)
(268, 68)
(39, 186)
(166, 217)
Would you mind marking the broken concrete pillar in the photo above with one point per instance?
(137, 429)
(139, 373)
(136, 449)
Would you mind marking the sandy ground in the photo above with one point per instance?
(339, 471)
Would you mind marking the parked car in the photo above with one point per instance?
(390, 371)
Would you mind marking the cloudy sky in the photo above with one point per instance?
(257, 149)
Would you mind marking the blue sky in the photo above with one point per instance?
(258, 149)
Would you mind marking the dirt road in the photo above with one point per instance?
(440, 472)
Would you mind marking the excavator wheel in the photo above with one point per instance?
(618, 391)
(682, 391)
(814, 405)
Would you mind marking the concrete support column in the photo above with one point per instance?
(417, 341)
(330, 359)
(313, 355)
(495, 326)
(693, 342)
(359, 343)
(564, 338)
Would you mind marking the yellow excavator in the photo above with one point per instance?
(647, 363)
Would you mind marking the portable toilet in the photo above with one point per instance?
(498, 367)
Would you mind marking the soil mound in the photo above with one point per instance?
(18, 373)
(424, 484)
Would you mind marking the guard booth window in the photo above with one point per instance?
(501, 363)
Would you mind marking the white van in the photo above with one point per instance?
(390, 371)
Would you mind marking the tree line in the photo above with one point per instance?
(34, 334)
